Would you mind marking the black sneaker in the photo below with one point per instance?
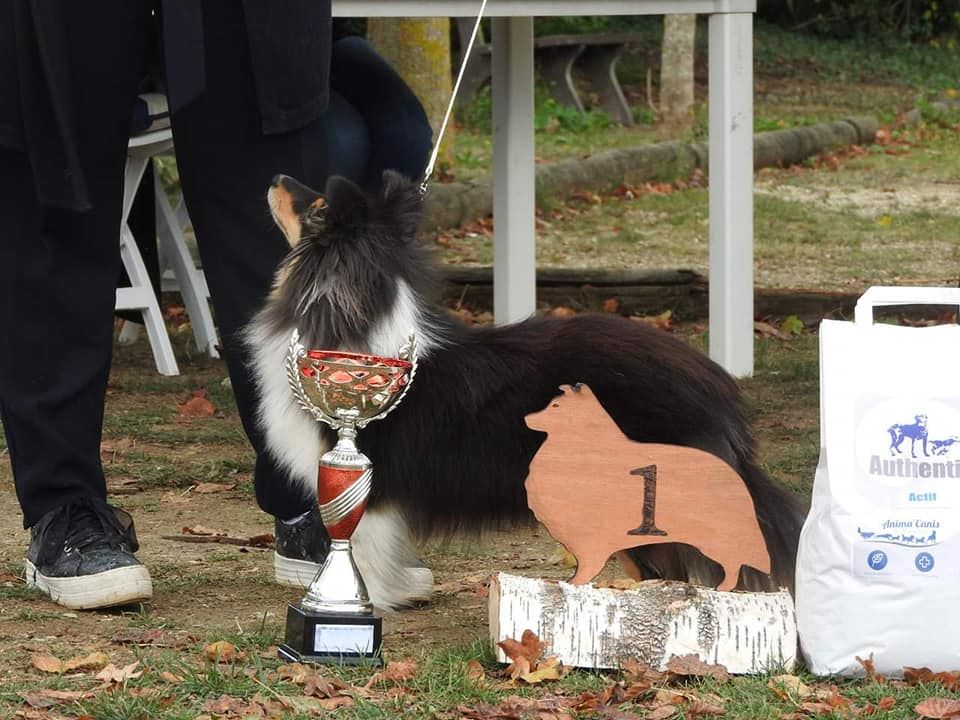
(301, 548)
(81, 555)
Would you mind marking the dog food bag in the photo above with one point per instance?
(878, 568)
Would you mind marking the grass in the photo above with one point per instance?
(886, 215)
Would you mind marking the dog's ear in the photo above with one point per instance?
(289, 201)
(347, 203)
(402, 204)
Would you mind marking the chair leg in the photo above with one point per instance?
(556, 65)
(191, 285)
(141, 296)
(599, 64)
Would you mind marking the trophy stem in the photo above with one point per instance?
(343, 484)
(338, 586)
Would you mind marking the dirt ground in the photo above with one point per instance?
(208, 590)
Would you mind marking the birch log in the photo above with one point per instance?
(589, 627)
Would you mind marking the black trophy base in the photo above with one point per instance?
(332, 638)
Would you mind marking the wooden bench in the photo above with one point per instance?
(593, 54)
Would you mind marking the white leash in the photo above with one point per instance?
(456, 88)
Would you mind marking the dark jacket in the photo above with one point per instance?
(289, 46)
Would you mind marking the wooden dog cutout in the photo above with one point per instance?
(584, 486)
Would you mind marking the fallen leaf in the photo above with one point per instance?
(792, 325)
(48, 698)
(266, 540)
(520, 666)
(112, 674)
(169, 677)
(396, 671)
(666, 696)
(886, 703)
(47, 663)
(549, 669)
(870, 669)
(174, 498)
(294, 672)
(203, 531)
(154, 637)
(661, 712)
(702, 708)
(206, 488)
(8, 578)
(789, 687)
(310, 705)
(692, 666)
(663, 321)
(234, 707)
(529, 649)
(223, 651)
(638, 672)
(93, 661)
(198, 406)
(474, 670)
(916, 676)
(765, 329)
(518, 708)
(938, 707)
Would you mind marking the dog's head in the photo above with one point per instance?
(355, 271)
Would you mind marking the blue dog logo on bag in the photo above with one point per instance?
(917, 430)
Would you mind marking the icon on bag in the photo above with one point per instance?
(877, 560)
(924, 562)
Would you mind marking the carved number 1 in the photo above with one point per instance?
(648, 526)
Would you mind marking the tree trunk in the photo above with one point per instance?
(676, 70)
(419, 49)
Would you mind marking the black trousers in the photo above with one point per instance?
(59, 269)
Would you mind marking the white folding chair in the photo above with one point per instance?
(186, 278)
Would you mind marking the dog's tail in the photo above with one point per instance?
(780, 514)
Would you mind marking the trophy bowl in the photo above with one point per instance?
(366, 386)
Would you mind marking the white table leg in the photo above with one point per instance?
(514, 234)
(731, 191)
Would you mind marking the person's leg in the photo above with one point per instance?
(400, 134)
(58, 270)
(348, 139)
(226, 166)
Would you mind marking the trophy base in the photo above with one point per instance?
(332, 638)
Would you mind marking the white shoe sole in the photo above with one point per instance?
(120, 586)
(292, 572)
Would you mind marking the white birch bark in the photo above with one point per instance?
(589, 627)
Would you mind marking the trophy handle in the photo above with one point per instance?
(408, 352)
(295, 351)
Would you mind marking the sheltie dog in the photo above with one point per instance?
(456, 453)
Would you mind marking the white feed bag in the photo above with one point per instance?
(878, 569)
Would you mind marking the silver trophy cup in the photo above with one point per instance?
(335, 621)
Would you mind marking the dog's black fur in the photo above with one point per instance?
(455, 453)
